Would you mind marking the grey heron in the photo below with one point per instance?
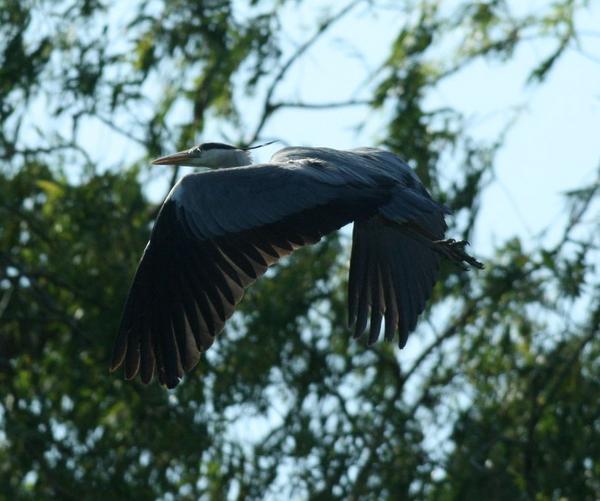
(220, 230)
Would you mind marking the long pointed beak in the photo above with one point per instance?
(179, 158)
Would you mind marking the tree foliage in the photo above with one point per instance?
(500, 402)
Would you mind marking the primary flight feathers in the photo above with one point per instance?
(219, 231)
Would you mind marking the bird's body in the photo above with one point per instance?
(218, 231)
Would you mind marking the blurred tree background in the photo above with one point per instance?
(502, 400)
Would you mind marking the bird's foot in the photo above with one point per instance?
(455, 251)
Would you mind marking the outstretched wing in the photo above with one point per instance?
(215, 234)
(392, 273)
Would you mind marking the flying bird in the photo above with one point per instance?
(220, 230)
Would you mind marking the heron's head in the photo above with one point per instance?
(212, 155)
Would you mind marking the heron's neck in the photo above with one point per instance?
(222, 159)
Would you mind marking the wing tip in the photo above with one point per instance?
(171, 382)
(402, 338)
(117, 360)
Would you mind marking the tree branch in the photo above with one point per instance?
(323, 106)
(120, 130)
(448, 333)
(269, 106)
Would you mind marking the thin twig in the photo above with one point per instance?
(120, 130)
(323, 106)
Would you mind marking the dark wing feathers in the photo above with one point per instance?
(391, 275)
(377, 305)
(201, 257)
(147, 360)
